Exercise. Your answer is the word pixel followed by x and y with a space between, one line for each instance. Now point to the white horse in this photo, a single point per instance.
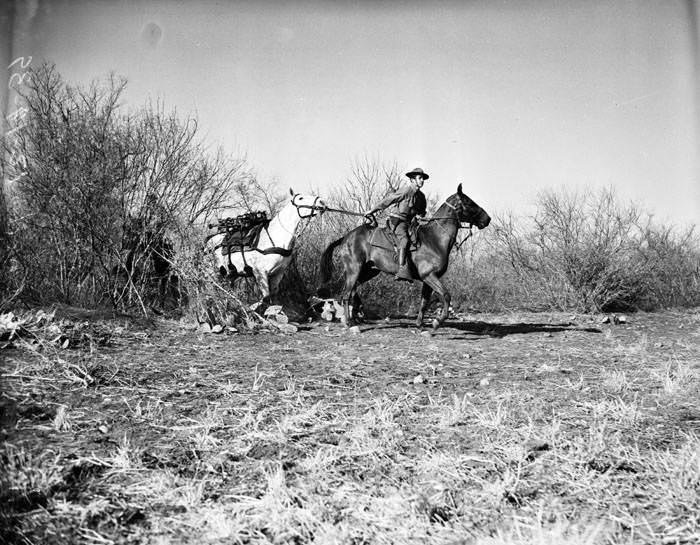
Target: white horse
pixel 273 252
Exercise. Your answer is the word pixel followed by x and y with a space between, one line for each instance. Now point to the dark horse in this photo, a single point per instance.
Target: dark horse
pixel 363 260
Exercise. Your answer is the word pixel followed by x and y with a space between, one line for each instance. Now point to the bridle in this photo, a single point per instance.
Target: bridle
pixel 313 207
pixel 456 218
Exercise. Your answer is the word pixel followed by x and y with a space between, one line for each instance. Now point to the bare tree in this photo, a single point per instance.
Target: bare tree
pixel 104 190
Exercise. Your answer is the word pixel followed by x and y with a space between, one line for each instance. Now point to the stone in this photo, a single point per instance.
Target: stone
pixel 418 379
pixel 204 327
pixel 217 328
pixel 287 328
pixel 273 310
pixel 354 330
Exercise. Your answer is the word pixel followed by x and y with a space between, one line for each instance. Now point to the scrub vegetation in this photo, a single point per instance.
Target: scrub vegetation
pixel 538 414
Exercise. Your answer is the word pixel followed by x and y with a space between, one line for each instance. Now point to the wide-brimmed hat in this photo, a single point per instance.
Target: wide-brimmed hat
pixel 416 172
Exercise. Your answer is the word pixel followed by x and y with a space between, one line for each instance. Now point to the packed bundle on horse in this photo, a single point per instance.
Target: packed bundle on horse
pixel 241 232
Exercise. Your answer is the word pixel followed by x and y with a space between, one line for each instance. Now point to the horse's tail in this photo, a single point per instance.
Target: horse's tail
pixel 327 261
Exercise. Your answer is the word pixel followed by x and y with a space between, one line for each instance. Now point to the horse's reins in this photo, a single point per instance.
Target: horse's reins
pixel 457 218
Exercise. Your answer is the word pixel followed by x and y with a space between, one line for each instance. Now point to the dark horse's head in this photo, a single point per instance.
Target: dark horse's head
pixel 468 210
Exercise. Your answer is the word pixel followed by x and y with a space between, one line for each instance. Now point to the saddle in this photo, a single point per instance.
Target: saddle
pixel 384 237
pixel 242 232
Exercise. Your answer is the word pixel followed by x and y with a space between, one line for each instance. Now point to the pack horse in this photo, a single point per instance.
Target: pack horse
pixel 253 245
pixel 368 250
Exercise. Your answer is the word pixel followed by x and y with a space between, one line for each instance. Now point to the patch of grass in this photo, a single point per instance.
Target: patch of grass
pixel 614 381
pixel 678 378
pixel 329 440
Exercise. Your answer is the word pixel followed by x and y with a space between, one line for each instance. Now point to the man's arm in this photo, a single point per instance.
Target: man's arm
pixel 390 199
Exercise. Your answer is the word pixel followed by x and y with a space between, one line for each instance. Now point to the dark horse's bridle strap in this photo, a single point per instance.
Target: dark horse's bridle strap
pixel 453 217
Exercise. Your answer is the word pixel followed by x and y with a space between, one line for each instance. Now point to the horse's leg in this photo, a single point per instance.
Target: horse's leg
pixel 366 273
pixel 425 294
pixel 356 307
pixel 263 283
pixel 352 273
pixel 231 270
pixel 434 282
pixel 275 281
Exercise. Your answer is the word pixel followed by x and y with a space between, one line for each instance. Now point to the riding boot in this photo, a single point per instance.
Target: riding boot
pixel 403 273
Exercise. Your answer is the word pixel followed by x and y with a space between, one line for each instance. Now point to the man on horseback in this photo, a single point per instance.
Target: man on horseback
pixel 408 203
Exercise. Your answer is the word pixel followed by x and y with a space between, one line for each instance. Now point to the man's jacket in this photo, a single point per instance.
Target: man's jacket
pixel 407 203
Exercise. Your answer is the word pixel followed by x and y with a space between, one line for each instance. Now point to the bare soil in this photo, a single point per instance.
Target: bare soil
pixel 500 428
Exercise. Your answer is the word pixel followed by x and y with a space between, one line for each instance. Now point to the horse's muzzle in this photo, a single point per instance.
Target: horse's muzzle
pixel 484 221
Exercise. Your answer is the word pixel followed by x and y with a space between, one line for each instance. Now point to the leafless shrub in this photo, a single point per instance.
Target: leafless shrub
pixel 198 290
pixel 672 256
pixel 107 196
pixel 587 251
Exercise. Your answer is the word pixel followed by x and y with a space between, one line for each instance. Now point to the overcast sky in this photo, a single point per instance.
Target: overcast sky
pixel 507 97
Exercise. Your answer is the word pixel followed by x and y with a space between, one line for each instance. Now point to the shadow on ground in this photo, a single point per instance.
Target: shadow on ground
pixel 489 329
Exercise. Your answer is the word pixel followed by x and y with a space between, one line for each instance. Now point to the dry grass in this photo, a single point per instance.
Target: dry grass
pixel 324 437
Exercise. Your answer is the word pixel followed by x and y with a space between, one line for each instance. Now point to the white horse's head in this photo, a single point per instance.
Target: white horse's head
pixel 307 205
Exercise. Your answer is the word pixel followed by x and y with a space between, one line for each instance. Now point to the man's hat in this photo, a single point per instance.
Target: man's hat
pixel 416 172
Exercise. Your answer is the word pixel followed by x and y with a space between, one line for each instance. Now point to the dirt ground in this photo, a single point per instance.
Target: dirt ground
pixel 501 428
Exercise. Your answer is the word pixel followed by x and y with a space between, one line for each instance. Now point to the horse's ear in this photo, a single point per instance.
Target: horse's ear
pixel 291 191
pixel 459 189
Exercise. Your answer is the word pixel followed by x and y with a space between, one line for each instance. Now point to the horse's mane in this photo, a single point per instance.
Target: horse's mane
pixel 440 213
